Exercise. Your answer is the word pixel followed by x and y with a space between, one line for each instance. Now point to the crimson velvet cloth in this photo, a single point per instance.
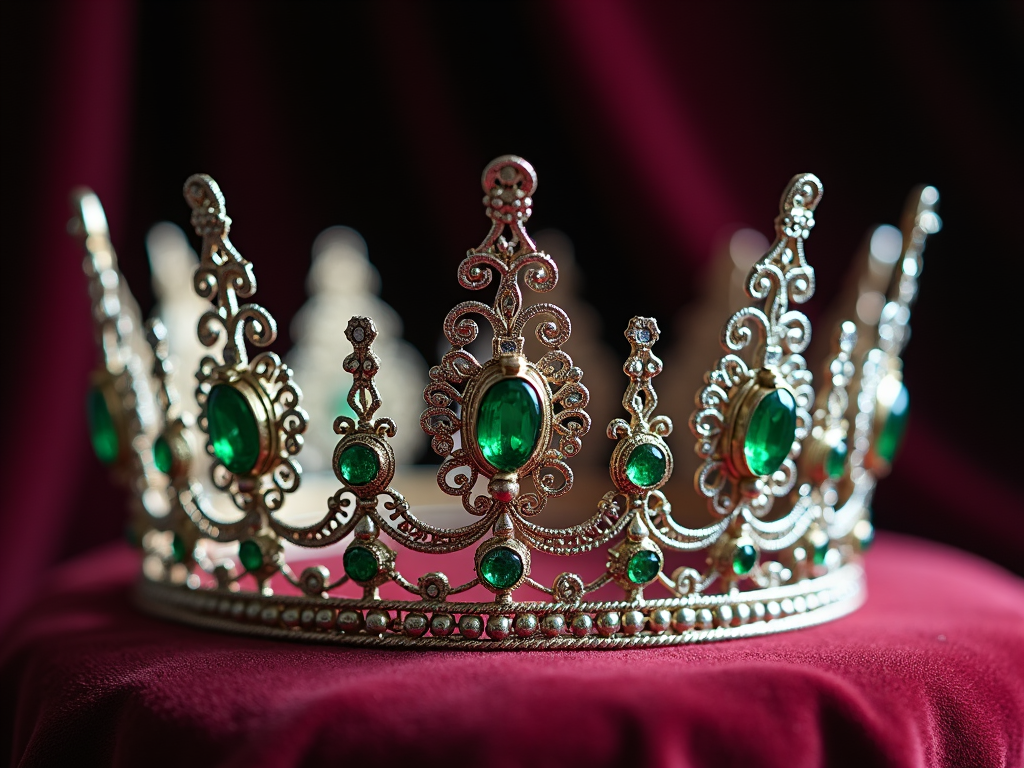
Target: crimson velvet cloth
pixel 657 129
pixel 930 672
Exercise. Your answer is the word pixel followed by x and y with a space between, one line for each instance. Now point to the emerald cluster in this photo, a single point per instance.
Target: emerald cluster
pixel 508 424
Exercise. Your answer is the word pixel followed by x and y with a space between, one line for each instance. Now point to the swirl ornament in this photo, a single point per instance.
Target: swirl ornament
pixel 509 410
pixel 752 414
pixel 510 424
pixel 882 402
pixel 121 409
pixel 250 409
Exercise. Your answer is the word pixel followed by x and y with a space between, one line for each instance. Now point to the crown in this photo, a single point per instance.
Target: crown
pixel 788 476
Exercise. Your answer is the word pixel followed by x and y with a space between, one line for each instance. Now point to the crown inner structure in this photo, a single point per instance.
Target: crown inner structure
pixel 788 477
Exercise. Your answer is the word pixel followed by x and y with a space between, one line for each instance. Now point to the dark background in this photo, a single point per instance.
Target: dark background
pixel 654 128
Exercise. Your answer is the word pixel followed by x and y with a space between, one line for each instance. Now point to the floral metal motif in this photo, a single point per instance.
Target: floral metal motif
pixel 634 518
pixel 780 277
pixel 224 276
pixel 508 183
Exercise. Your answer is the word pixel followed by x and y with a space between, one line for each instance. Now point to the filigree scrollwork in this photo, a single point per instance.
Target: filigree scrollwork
pixel 458 384
pixel 119 382
pixel 264 384
pixel 775 335
pixel 881 367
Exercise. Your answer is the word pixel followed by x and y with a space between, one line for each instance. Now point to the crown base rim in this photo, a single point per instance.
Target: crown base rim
pixel 837 595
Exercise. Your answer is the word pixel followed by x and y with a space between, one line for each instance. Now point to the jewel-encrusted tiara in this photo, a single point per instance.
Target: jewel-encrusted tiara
pixel 788 476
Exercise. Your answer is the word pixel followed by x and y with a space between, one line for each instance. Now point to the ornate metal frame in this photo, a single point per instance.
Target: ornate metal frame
pixel 633 520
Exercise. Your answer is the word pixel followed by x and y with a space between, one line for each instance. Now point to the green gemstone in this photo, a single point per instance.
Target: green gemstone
pixel 891 436
pixel 102 431
pixel 234 433
pixel 835 461
pixel 643 566
pixel 360 563
pixel 743 559
pixel 501 567
pixel 770 432
pixel 646 465
pixel 358 464
pixel 163 456
pixel 178 548
pixel 820 550
pixel 251 555
pixel 508 424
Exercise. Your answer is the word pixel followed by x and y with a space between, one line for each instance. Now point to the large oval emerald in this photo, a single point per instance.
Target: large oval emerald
pixel 508 424
pixel 234 432
pixel 889 439
pixel 102 430
pixel 770 432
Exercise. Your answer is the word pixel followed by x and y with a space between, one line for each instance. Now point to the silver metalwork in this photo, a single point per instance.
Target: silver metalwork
pixel 743 543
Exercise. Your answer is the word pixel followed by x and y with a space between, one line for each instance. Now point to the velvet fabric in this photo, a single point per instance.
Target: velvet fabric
pixel 655 128
pixel 930 672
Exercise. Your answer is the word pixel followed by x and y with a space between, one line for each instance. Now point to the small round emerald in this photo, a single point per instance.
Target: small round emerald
pixel 178 548
pixel 643 567
pixel 646 465
pixel 501 567
pixel 770 432
pixel 163 456
pixel 250 554
pixel 835 460
pixel 358 464
pixel 508 424
pixel 234 432
pixel 102 430
pixel 360 563
pixel 743 559
pixel 888 443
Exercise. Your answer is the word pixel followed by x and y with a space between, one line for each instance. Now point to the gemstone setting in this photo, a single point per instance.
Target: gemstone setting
pixel 508 424
pixel 646 465
pixel 234 431
pixel 744 558
pixel 360 563
pixel 358 464
pixel 163 456
pixel 501 567
pixel 643 567
pixel 102 430
pixel 770 432
pixel 890 437
pixel 250 555
pixel 835 460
